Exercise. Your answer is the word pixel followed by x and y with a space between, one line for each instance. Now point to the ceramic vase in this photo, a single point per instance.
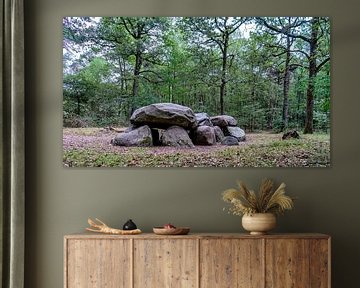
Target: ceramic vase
pixel 259 223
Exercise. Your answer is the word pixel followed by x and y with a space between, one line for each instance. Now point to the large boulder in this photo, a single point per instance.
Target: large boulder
pixel 203 119
pixel 130 128
pixel 177 137
pixel 291 134
pixel 223 121
pixel 137 137
pixel 219 134
pixel 236 132
pixel 204 135
pixel 230 141
pixel 164 115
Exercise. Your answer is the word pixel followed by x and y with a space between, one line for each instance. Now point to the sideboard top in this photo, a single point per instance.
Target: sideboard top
pixel 87 235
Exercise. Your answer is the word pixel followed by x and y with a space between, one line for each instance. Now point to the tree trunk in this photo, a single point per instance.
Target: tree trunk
pixel 223 72
pixel 253 100
pixel 272 107
pixel 312 75
pixel 122 75
pixel 285 114
pixel 172 84
pixel 122 85
pixel 78 105
pixel 137 68
pixel 309 129
pixel 299 96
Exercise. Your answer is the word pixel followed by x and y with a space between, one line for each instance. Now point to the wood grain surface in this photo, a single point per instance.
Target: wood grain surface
pixel 165 263
pixel 230 263
pixel 287 263
pixel 320 263
pixel 98 263
pixel 197 261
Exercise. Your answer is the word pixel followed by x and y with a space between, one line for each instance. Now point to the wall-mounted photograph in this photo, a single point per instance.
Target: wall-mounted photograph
pixel 196 92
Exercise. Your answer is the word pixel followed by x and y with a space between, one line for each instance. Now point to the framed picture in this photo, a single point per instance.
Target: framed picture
pixel 196 91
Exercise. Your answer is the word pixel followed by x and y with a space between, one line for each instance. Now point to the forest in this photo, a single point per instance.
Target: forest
pixel 271 74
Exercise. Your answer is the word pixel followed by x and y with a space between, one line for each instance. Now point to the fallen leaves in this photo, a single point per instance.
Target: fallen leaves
pixel 92 149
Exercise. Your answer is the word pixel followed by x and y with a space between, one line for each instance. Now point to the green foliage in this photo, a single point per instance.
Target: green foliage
pixel 90 96
pixel 113 65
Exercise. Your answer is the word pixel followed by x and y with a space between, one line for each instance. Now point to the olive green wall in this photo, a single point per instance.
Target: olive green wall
pixel 59 200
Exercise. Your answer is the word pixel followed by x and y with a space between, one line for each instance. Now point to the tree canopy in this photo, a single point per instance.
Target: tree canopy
pixel 270 73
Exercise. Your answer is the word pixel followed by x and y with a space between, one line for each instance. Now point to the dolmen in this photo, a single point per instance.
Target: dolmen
pixel 169 124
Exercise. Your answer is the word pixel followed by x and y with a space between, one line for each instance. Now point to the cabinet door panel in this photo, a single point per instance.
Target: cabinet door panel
pixel 98 263
pixel 166 263
pixel 287 263
pixel 319 263
pixel 231 263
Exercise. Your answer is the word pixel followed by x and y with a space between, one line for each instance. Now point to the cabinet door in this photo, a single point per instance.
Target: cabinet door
pixel 320 263
pixel 287 263
pixel 231 263
pixel 165 263
pixel 98 263
pixel 297 263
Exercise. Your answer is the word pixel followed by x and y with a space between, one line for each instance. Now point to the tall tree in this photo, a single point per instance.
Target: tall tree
pixel 134 36
pixel 218 30
pixel 283 48
pixel 312 33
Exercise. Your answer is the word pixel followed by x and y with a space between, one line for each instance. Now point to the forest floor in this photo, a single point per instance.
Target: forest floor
pixel 90 147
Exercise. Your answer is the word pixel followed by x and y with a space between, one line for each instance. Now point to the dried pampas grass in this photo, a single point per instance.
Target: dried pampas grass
pixel 245 201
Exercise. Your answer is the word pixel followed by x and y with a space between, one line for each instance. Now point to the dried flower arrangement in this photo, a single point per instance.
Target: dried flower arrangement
pixel 247 202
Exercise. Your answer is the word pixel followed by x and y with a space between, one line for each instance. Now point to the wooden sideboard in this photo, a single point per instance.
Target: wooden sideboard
pixel 197 261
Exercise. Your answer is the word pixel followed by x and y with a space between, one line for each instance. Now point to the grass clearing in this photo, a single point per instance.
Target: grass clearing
pixel 90 147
